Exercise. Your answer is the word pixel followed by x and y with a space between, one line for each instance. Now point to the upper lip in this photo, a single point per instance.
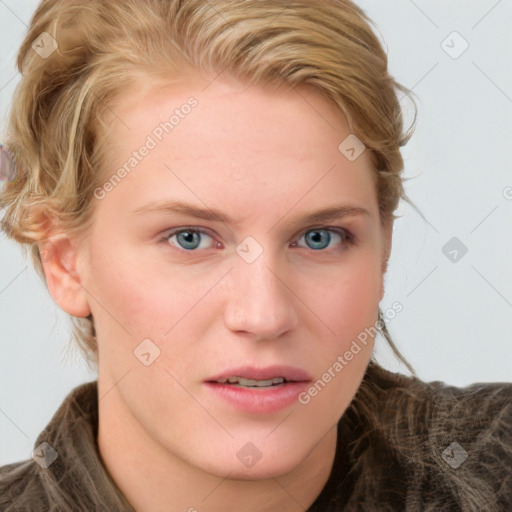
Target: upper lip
pixel 289 373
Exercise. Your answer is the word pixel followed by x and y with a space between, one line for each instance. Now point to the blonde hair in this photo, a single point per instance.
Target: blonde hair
pixel 63 99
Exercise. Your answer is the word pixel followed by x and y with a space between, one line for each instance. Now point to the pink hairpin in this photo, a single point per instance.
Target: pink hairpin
pixel 8 170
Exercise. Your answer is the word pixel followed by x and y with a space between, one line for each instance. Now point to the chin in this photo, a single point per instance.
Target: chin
pixel 249 463
pixel 260 471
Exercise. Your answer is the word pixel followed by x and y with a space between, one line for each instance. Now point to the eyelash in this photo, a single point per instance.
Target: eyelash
pixel 348 238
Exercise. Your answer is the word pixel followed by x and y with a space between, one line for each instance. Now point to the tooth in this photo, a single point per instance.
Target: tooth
pixel 247 382
pixel 251 382
pixel 263 383
pixel 255 383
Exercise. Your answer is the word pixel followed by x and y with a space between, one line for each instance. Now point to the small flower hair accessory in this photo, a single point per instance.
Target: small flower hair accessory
pixel 8 168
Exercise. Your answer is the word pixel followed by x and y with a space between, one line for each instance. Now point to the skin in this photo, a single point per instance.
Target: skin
pixel 265 157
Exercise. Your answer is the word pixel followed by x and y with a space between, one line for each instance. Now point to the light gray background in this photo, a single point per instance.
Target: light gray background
pixel 456 320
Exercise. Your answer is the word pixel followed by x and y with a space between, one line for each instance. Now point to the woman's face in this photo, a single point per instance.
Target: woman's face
pixel 205 261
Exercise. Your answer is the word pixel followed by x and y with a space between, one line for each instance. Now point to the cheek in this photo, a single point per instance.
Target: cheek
pixel 136 301
pixel 142 307
pixel 350 300
pixel 127 298
pixel 341 358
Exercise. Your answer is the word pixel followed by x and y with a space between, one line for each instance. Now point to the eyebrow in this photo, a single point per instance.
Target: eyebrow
pixel 178 207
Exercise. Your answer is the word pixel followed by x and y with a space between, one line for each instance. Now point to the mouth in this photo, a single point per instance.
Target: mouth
pixel 251 383
pixel 259 390
pixel 268 377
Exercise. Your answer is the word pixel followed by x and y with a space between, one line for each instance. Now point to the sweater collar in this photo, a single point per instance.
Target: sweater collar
pixel 75 472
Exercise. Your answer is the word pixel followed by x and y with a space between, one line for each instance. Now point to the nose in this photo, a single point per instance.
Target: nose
pixel 259 301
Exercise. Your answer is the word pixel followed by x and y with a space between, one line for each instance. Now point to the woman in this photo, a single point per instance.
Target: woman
pixel 208 189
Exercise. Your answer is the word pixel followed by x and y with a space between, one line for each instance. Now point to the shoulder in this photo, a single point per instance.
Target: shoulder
pixel 27 485
pixel 66 473
pixel 444 444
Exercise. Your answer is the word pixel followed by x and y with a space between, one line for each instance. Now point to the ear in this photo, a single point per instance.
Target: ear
pixel 387 231
pixel 59 259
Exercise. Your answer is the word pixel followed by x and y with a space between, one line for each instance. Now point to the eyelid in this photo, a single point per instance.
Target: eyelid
pixel 337 229
pixel 172 231
pixel 324 228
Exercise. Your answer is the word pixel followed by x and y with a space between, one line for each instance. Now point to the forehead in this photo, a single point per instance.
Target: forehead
pixel 235 137
pixel 262 114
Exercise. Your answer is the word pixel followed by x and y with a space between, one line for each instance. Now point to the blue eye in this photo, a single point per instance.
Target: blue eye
pixel 189 239
pixel 320 238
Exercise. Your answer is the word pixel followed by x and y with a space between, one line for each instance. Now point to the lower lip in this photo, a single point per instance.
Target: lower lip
pixel 259 400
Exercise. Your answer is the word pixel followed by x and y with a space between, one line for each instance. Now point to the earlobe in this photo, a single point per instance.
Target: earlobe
pixel 59 261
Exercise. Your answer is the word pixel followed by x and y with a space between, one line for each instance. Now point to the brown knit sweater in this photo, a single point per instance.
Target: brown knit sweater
pixel 403 444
